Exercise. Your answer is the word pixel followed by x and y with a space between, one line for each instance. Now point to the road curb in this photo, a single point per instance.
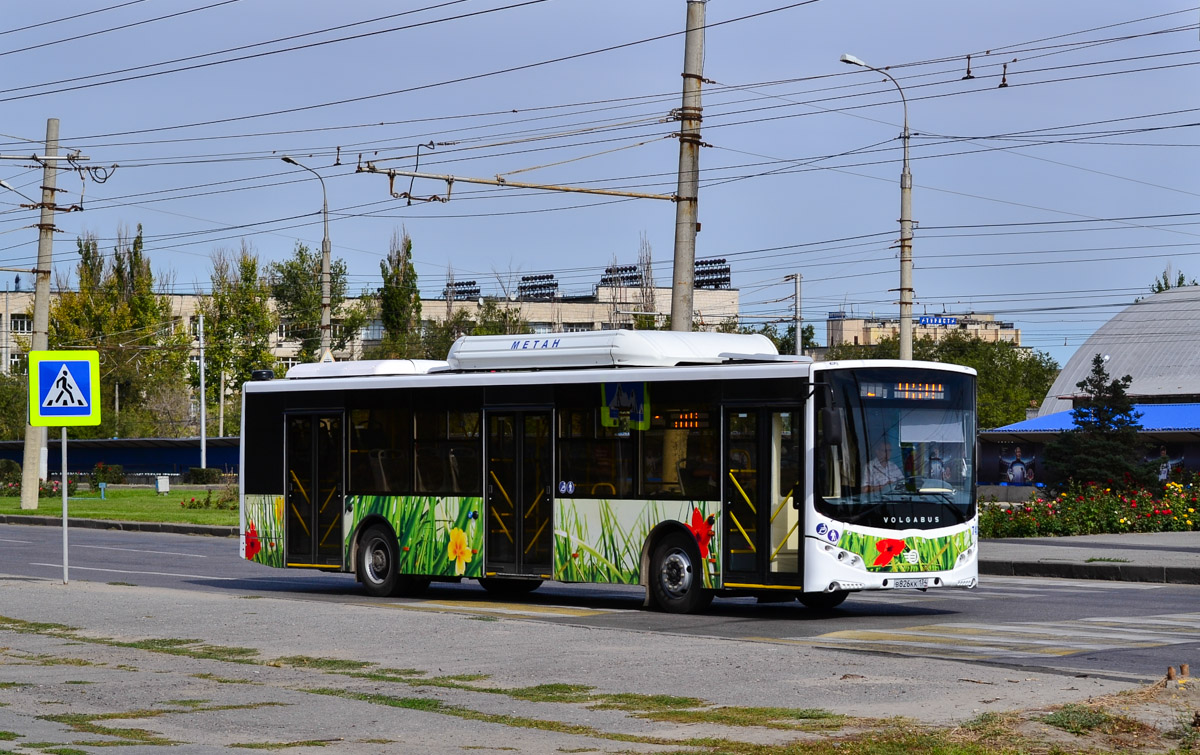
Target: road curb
pixel 1178 575
pixel 110 524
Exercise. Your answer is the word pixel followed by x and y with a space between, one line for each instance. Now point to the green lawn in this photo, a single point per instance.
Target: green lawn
pixel 135 505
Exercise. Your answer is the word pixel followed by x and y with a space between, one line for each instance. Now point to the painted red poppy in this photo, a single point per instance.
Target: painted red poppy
pixel 888 549
pixel 702 530
pixel 253 545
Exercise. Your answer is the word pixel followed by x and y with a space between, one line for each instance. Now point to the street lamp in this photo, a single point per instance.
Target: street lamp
pixel 906 261
pixel 325 326
pixel 7 185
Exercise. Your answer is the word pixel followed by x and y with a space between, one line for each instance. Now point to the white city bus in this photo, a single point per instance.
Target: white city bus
pixel 695 464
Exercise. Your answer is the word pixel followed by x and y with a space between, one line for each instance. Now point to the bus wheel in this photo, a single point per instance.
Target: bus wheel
pixel 823 601
pixel 509 588
pixel 379 562
pixel 675 582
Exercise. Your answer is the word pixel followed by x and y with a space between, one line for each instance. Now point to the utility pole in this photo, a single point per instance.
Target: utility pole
pixel 798 319
pixel 34 462
pixel 688 182
pixel 203 401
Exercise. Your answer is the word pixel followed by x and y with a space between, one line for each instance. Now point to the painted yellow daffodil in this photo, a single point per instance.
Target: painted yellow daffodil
pixel 459 552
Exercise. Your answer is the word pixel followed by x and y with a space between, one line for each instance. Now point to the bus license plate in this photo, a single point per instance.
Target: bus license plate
pixel 919 583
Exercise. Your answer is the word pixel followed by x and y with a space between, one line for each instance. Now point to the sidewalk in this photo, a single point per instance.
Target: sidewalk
pixel 1148 557
pixel 1152 557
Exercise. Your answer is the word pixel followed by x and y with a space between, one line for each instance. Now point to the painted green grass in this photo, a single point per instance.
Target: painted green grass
pixel 128 505
pixel 422 525
pixel 591 544
pixel 934 554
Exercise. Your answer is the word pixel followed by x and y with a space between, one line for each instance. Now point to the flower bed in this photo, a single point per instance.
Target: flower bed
pixel 1093 509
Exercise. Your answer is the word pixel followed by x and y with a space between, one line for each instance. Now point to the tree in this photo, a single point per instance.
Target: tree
pixel 785 343
pixel 438 337
pixel 238 323
pixel 1010 378
pixel 399 302
pixel 1103 445
pixel 494 319
pixel 296 288
pixel 1168 282
pixel 142 344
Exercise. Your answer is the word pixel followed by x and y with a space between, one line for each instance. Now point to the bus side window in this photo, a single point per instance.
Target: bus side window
pixel 379 451
pixel 679 457
pixel 598 460
pixel 447 452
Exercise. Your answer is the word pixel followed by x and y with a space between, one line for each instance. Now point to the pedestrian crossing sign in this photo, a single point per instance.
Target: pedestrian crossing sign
pixel 64 388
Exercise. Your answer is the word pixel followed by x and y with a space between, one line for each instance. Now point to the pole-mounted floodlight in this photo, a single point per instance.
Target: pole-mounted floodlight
pixel 906 260
pixel 7 185
pixel 325 254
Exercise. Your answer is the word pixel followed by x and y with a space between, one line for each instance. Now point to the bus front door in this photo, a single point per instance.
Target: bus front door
pixel 764 497
pixel 520 530
pixel 314 453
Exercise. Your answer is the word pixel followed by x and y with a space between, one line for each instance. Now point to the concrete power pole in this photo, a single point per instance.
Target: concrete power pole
pixel 798 319
pixel 34 462
pixel 686 225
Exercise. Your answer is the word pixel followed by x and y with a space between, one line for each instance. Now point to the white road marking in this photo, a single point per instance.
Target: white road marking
pixel 22 542
pixel 129 571
pixel 139 550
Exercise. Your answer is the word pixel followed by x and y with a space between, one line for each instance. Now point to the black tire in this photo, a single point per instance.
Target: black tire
pixel 508 587
pixel 823 601
pixel 379 565
pixel 676 584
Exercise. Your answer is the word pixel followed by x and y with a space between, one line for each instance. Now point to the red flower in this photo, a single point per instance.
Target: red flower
pixel 888 549
pixel 702 530
pixel 253 545
pixel 1133 505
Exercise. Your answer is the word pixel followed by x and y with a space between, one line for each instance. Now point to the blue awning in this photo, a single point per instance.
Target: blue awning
pixel 1156 418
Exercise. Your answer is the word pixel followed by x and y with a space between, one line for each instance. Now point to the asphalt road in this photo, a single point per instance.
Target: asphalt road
pixel 1114 630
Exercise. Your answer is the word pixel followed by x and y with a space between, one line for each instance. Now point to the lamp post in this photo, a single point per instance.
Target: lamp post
pixel 906 261
pixel 325 326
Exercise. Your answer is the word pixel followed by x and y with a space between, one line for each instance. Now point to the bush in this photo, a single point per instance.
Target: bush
pixel 112 474
pixel 10 471
pixel 204 476
pixel 46 488
pixel 1095 510
pixel 226 500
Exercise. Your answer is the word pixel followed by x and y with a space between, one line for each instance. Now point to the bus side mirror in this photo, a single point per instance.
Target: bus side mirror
pixel 831 426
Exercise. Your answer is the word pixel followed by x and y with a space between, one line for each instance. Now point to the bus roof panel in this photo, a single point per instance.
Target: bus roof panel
pixel 366 367
pixel 606 348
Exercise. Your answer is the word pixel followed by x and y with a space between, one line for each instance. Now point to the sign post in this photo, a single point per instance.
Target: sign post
pixel 64 390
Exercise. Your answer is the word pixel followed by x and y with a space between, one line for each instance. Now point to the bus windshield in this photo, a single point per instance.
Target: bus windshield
pixel 902 454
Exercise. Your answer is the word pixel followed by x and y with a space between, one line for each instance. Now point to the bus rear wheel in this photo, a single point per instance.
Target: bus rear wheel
pixel 508 587
pixel 676 583
pixel 379 566
pixel 823 601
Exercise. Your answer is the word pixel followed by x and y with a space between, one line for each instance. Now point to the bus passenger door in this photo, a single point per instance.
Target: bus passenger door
pixel 315 490
pixel 764 498
pixel 520 528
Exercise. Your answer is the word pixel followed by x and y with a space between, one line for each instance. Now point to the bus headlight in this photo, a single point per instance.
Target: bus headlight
pixel 845 557
pixel 965 557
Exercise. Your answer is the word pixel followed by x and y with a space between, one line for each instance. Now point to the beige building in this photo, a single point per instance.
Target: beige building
pixel 609 307
pixel 868 331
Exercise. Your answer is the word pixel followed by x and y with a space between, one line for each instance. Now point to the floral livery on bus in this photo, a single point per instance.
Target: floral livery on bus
pixel 695 464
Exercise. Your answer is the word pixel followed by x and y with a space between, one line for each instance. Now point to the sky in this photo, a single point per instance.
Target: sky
pixel 1051 202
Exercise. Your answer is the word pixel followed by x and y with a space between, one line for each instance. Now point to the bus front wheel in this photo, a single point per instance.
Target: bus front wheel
pixel 823 601
pixel 676 580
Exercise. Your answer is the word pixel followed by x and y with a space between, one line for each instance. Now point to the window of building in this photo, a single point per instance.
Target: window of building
pixel 21 323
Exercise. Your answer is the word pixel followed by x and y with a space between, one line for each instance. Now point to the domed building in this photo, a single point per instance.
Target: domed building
pixel 1156 341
